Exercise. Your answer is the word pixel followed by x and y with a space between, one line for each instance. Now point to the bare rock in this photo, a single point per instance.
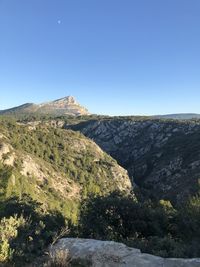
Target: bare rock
pixel 112 254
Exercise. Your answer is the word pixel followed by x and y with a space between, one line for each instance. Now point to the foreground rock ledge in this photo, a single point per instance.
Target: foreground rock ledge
pixel 112 254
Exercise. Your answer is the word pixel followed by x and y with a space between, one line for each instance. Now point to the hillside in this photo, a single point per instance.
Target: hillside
pixel 55 167
pixel 161 156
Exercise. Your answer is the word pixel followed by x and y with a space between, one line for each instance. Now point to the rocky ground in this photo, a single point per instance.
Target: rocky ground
pixel 112 254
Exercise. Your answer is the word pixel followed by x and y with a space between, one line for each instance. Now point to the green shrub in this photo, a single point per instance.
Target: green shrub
pixel 27 234
pixel 155 228
pixel 8 232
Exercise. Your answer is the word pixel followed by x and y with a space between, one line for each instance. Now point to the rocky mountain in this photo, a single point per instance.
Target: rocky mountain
pixel 64 106
pixel 55 167
pixel 69 106
pixel 161 156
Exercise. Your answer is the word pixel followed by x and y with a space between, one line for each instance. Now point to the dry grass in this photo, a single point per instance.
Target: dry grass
pixel 59 259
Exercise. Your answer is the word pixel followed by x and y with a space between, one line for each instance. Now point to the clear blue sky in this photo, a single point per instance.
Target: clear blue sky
pixel 114 56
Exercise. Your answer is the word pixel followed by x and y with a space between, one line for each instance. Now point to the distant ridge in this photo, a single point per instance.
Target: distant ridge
pixel 69 106
pixel 63 106
pixel 178 116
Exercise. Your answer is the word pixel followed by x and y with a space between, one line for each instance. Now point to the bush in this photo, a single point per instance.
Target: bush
pixel 8 232
pixel 63 259
pixel 120 217
pixel 25 236
pixel 155 228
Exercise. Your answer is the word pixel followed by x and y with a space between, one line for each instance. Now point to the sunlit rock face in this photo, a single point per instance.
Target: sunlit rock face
pixel 67 106
pixel 63 106
pixel 111 254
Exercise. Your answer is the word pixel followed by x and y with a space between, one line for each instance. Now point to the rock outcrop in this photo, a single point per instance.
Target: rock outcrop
pixel 64 106
pixel 112 254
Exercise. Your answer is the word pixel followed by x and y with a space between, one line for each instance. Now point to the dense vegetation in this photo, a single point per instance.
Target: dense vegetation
pixel 56 146
pixel 57 152
pixel 26 229
pixel 154 227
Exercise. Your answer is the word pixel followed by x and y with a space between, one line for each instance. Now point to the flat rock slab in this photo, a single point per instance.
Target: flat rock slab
pixel 113 254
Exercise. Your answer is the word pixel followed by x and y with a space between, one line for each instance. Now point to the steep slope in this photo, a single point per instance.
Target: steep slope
pixel 64 106
pixel 163 157
pixel 55 167
pixel 23 174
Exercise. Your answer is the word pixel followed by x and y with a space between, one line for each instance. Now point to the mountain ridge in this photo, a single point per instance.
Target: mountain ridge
pixel 69 106
pixel 178 116
pixel 62 106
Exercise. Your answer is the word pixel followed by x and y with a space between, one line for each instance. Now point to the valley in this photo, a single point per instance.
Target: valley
pixel 162 156
pixel 131 179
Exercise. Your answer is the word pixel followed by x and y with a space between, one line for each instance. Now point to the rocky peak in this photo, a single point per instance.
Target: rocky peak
pixel 66 105
pixel 69 100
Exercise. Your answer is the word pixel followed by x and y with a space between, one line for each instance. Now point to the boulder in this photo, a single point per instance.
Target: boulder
pixel 112 254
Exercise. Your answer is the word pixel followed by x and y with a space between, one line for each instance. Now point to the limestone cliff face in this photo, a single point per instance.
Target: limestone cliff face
pixel 64 106
pixel 162 157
